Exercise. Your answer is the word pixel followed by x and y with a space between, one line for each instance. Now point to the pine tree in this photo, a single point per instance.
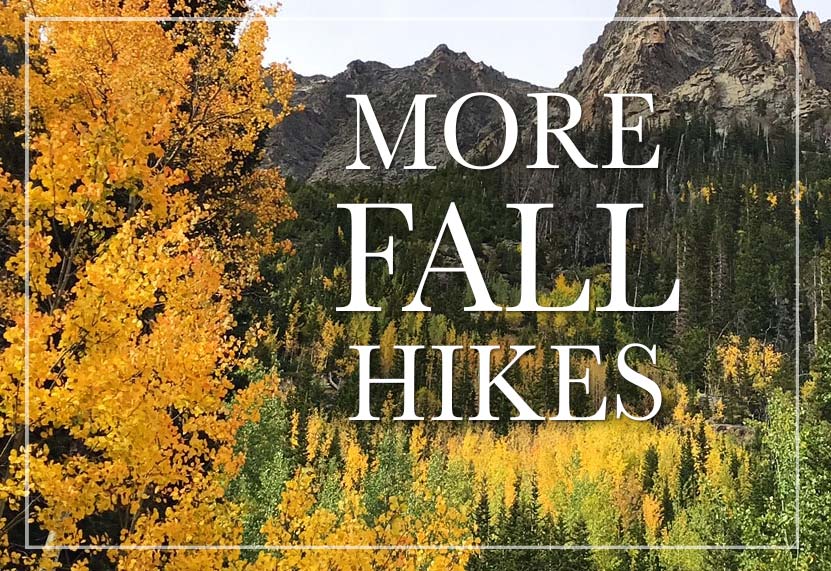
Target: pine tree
pixel 687 478
pixel 667 507
pixel 703 444
pixel 649 468
pixel 482 561
pixel 577 534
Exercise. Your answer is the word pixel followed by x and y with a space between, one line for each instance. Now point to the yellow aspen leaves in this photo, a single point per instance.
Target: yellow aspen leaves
pixel 146 221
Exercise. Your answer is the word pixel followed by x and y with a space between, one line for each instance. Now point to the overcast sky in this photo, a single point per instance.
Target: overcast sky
pixel 540 52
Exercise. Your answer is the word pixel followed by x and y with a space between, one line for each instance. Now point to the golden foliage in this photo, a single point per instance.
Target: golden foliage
pixel 144 226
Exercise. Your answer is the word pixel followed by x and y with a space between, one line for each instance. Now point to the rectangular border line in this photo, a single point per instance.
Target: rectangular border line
pixel 242 20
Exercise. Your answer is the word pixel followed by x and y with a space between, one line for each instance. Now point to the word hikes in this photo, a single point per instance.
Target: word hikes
pixel 488 382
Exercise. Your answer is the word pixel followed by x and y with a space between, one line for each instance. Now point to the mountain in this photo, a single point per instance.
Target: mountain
pixel 742 71
pixel 319 142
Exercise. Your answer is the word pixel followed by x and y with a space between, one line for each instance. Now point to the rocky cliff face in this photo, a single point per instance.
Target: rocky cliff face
pixel 730 71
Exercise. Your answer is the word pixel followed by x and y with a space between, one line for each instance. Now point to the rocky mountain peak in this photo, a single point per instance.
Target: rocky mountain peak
pixel 443 52
pixel 786 8
pixel 443 60
pixel 360 66
pixel 811 21
pixel 635 8
pixel 319 142
pixel 729 71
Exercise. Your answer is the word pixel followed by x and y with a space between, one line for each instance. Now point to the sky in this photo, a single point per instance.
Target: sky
pixel 540 52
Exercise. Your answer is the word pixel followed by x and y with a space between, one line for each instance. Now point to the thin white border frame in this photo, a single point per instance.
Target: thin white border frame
pixel 246 19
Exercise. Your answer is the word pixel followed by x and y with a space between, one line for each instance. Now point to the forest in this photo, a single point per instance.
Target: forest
pixel 174 371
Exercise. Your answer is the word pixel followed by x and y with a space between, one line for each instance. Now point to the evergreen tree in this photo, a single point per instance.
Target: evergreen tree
pixel 649 468
pixel 687 478
pixel 483 560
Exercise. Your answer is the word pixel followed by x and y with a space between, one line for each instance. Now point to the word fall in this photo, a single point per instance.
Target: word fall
pixel 528 295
